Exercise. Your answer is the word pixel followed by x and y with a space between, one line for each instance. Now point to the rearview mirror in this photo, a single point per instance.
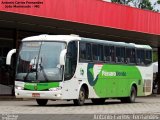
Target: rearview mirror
pixel 9 56
pixel 62 57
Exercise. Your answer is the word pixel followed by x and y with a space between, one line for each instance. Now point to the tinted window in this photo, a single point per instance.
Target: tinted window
pixel 109 53
pixel 120 54
pixel 148 56
pixel 88 51
pixel 133 55
pixel 112 53
pixel 71 60
pixel 82 48
pixel 100 52
pixel 140 56
pixel 130 55
pixel 95 52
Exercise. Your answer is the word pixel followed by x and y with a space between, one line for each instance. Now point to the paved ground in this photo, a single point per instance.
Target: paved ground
pixel 143 105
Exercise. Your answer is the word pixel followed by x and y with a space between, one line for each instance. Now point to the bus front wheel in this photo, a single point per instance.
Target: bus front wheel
pixel 132 97
pixel 41 102
pixel 81 99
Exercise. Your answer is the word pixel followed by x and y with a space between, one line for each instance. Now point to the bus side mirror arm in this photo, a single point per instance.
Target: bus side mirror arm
pixel 62 57
pixel 9 56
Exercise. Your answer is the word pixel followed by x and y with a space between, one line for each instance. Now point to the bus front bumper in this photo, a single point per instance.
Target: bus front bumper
pixel 38 94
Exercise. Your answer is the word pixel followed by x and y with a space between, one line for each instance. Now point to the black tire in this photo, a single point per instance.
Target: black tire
pixel 82 96
pixel 98 101
pixel 41 102
pixel 131 98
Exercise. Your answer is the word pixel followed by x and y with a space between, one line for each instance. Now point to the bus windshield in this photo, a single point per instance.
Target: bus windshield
pixel 39 61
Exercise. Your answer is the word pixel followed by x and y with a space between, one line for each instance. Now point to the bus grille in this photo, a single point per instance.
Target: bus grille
pixel 147 86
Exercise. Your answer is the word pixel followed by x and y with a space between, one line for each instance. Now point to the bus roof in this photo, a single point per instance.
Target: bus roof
pixel 68 38
pixel 62 38
pixel 106 42
pixel 132 45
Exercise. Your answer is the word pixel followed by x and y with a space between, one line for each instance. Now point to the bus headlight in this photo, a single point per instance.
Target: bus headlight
pixel 19 87
pixel 55 89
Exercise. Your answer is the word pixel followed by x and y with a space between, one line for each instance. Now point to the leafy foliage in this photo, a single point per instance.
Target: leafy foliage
pixel 143 4
pixel 146 4
pixel 121 1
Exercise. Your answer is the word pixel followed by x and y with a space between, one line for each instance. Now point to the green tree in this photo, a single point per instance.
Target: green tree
pixel 146 4
pixel 143 4
pixel 158 1
pixel 121 1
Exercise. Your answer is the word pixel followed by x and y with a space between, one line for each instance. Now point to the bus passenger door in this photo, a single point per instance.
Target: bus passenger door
pixel 70 82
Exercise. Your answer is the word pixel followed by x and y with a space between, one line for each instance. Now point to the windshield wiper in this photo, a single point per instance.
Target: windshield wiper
pixel 29 71
pixel 42 69
pixel 33 69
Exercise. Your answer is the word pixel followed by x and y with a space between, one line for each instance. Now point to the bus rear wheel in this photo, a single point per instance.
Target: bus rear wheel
pixel 82 95
pixel 132 97
pixel 41 102
pixel 98 101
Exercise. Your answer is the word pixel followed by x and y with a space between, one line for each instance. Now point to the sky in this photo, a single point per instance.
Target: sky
pixel 156 6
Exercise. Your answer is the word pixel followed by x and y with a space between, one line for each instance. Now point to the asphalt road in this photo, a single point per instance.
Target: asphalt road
pixel 66 109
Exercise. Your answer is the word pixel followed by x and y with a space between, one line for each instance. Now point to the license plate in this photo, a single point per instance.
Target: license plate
pixel 35 95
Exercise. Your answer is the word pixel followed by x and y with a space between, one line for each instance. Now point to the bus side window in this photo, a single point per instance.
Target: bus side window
pixel 88 52
pixel 71 60
pixel 132 58
pixel 82 50
pixel 128 54
pixel 148 57
pixel 120 53
pixel 95 52
pixel 100 53
pixel 140 56
pixel 107 54
pixel 112 53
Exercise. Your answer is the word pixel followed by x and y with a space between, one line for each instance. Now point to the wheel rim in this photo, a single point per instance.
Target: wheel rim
pixel 133 95
pixel 81 96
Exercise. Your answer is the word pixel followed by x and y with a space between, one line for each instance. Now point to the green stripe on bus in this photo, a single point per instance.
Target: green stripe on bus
pixel 115 80
pixel 41 86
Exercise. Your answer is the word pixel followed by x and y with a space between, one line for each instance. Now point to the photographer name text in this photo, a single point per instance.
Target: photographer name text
pixel 22 4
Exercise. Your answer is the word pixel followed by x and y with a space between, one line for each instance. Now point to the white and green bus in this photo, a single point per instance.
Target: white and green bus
pixel 69 67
